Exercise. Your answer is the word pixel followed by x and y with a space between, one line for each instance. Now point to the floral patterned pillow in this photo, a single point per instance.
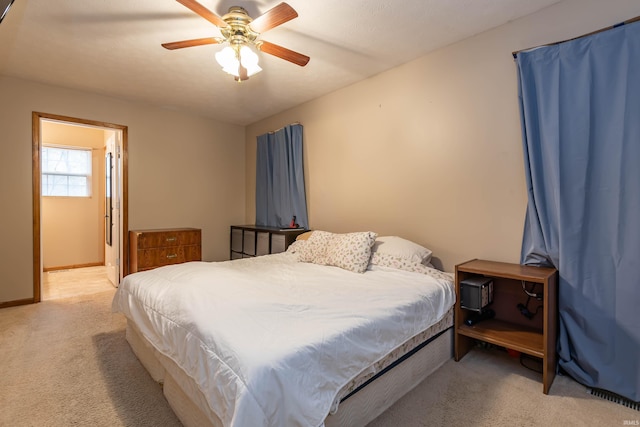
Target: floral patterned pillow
pixel 351 251
pixel 296 247
pixel 315 249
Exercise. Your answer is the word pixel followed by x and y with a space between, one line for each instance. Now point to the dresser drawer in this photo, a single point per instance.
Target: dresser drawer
pixel 164 239
pixel 156 257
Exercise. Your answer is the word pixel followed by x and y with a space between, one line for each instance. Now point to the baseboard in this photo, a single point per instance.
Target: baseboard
pixel 15 303
pixel 69 267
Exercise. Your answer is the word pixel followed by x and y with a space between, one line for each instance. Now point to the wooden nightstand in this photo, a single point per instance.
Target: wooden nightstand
pixel 509 328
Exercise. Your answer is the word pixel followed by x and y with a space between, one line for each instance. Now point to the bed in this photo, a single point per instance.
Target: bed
pixel 331 332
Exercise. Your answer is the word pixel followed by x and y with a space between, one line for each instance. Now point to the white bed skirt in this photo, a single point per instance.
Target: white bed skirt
pixel 190 406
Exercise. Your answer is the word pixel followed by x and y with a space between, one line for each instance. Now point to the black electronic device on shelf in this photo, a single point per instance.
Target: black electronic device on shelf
pixel 476 293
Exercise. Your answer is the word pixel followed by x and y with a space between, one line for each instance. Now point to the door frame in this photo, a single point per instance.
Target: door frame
pixel 36 151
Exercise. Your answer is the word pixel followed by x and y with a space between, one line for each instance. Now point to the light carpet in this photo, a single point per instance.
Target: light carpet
pixel 65 362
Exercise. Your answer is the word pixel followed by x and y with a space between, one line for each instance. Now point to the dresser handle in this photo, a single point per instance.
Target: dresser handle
pixel 171 239
pixel 172 256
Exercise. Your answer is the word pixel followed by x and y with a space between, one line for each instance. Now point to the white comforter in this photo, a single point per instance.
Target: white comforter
pixel 270 341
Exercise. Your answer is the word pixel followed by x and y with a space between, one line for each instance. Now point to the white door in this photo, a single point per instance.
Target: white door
pixel 113 193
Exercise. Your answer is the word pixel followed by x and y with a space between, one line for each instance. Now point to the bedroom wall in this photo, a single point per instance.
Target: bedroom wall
pixel 431 150
pixel 73 227
pixel 184 170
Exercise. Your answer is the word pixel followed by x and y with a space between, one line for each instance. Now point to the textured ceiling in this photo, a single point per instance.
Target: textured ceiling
pixel 112 47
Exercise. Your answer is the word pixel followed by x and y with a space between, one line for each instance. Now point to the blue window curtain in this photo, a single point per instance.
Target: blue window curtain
pixel 580 113
pixel 280 193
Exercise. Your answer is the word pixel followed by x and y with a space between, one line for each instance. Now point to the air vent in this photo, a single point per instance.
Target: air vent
pixel 612 397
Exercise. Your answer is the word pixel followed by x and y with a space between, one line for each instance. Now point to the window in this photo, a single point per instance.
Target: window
pixel 66 171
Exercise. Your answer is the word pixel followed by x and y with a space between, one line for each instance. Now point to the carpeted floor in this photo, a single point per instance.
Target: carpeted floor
pixel 489 388
pixel 65 362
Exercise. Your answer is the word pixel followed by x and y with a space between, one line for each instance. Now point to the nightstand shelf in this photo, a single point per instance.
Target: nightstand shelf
pixel 509 328
pixel 529 341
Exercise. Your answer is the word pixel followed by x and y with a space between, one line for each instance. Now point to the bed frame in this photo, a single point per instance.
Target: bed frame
pixel 357 409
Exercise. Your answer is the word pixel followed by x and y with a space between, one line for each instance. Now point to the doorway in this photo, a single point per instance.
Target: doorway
pixel 112 175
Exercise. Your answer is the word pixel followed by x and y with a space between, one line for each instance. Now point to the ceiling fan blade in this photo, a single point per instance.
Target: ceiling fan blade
pixel 190 43
pixel 273 17
pixel 283 52
pixel 204 12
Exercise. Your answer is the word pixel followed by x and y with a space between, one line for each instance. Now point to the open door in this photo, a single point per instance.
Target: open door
pixel 113 194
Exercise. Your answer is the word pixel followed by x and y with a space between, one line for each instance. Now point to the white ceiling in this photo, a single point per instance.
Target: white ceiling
pixel 112 47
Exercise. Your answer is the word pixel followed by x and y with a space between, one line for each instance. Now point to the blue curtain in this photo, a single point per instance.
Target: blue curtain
pixel 580 112
pixel 280 191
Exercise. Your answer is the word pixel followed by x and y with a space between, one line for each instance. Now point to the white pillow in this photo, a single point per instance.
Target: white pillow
pixel 397 247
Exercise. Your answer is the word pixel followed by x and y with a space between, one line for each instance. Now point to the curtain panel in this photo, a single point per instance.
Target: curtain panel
pixel 580 113
pixel 280 193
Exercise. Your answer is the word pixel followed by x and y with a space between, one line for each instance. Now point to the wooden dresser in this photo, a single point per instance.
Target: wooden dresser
pixel 150 249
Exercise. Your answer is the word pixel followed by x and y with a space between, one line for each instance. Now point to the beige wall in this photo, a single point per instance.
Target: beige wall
pixel 73 227
pixel 184 171
pixel 431 150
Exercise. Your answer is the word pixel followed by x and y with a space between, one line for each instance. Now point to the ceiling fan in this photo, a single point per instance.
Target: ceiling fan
pixel 241 31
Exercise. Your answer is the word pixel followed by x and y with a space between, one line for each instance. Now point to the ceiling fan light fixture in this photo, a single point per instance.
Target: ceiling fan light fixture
pixel 249 60
pixel 230 59
pixel 241 32
pixel 227 58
